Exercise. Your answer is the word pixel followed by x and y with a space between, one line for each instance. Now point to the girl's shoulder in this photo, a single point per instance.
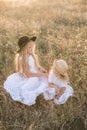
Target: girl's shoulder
pixel 20 58
pixel 51 76
pixel 51 73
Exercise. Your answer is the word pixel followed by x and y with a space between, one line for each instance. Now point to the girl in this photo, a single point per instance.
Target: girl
pixel 30 79
pixel 58 80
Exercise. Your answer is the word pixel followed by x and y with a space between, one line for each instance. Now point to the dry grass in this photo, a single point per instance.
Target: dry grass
pixel 43 116
pixel 61 28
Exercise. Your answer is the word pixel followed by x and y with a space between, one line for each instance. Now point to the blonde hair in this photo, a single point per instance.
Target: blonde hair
pixel 22 58
pixel 60 68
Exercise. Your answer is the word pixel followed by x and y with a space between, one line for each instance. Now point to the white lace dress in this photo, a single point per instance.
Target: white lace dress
pixel 50 93
pixel 24 89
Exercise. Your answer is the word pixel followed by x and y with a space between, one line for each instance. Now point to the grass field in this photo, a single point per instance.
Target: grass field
pixel 61 30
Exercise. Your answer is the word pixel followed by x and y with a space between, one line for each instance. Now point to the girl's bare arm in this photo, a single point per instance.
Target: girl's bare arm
pixel 39 66
pixel 29 74
pixel 42 69
pixel 54 86
pixel 61 92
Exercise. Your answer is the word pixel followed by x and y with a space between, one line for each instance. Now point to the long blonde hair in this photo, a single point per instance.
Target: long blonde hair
pixel 22 58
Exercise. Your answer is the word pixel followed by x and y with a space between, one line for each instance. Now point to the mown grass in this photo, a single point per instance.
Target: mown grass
pixel 61 30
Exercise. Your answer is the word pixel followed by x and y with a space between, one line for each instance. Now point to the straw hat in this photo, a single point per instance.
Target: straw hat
pixel 61 66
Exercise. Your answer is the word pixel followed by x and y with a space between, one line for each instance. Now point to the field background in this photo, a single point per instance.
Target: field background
pixel 61 30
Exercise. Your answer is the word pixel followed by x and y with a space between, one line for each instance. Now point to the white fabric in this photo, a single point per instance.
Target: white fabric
pixel 25 89
pixel 50 94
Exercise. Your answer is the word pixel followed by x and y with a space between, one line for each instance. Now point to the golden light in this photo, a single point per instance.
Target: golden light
pixel 19 2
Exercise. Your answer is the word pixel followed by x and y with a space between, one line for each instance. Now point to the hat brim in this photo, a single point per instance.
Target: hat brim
pixel 31 39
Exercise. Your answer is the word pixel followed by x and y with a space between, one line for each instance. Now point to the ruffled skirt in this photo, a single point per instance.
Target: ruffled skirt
pixel 25 90
pixel 50 94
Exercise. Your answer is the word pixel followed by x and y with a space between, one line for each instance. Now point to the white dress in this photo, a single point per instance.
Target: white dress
pixel 24 89
pixel 50 93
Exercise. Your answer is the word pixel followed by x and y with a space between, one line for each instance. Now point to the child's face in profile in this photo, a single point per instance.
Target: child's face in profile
pixel 30 47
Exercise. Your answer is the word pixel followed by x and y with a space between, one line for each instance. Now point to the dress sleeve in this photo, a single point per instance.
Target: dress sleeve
pixel 51 77
pixel 20 58
pixel 63 84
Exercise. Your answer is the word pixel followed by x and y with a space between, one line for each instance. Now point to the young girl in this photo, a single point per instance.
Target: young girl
pixel 58 80
pixel 30 79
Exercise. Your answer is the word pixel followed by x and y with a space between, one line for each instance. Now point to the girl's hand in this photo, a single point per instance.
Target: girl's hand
pixel 44 75
pixel 21 74
pixel 57 96
pixel 43 70
pixel 60 92
pixel 57 92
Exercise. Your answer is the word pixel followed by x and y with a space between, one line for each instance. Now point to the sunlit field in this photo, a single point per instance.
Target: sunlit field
pixel 61 30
